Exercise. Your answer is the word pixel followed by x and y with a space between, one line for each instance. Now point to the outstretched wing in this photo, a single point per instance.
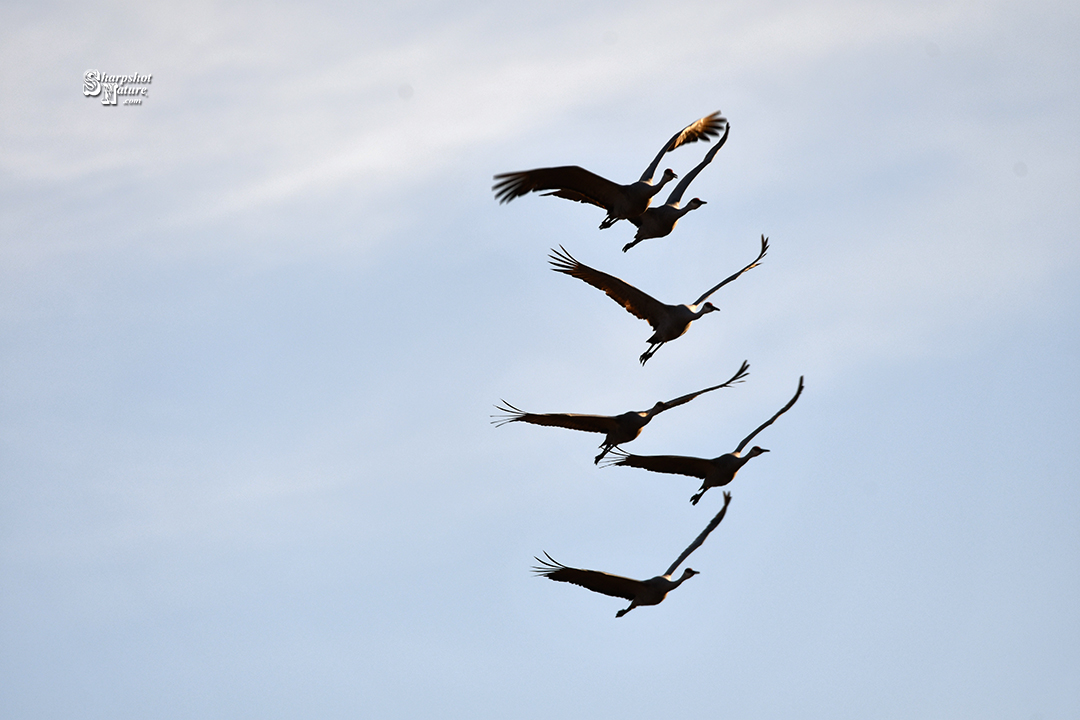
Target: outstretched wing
pixel 701 129
pixel 701 538
pixel 677 193
pixel 636 302
pixel 571 421
pixel 576 197
pixel 568 181
pixel 600 582
pixel 751 266
pixel 771 420
pixel 736 378
pixel 670 464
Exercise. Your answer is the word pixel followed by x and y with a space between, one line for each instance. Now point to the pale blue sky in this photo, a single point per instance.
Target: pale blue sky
pixel 252 331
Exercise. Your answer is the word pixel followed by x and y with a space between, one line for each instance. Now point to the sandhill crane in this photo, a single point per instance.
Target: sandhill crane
pixel 715 472
pixel 638 592
pixel 621 201
pixel 619 428
pixel 660 221
pixel 668 321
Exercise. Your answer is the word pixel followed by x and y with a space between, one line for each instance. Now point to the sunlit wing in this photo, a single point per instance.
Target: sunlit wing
pixel 677 193
pixel 701 129
pixel 636 302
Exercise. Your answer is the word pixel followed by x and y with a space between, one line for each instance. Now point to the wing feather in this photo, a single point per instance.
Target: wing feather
pixel 575 196
pixel 600 582
pixel 736 378
pixel 568 181
pixel 751 266
pixel 701 129
pixel 636 302
pixel 571 421
pixel 701 538
pixel 677 193
pixel 670 464
pixel 771 420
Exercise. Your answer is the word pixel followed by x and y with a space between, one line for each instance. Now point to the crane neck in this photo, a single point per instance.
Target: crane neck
pixel 657 187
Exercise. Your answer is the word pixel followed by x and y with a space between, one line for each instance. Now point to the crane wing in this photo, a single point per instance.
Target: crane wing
pixel 751 266
pixel 600 582
pixel 636 302
pixel 575 196
pixel 736 378
pixel 677 193
pixel 670 464
pixel 568 181
pixel 701 538
pixel 571 421
pixel 701 129
pixel 771 420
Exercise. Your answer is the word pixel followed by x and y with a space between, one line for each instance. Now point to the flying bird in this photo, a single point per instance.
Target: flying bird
pixel 715 472
pixel 621 201
pixel 638 592
pixel 618 428
pixel 668 321
pixel 658 222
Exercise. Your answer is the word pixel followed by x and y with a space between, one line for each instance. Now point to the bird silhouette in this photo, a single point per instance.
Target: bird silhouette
pixel 713 472
pixel 668 321
pixel 638 592
pixel 619 429
pixel 572 182
pixel 658 222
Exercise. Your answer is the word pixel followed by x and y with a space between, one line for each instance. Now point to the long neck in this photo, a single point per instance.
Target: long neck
pixel 652 412
pixel 733 462
pixel 656 188
pixel 697 310
pixel 676 583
